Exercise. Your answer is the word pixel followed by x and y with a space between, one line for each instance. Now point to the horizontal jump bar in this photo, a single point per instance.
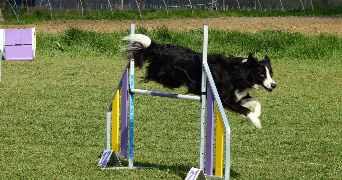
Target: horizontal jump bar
pixel 18 44
pixel 162 94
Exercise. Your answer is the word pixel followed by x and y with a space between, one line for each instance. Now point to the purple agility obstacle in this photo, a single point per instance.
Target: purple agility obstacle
pixel 124 114
pixel 210 132
pixel 208 97
pixel 20 44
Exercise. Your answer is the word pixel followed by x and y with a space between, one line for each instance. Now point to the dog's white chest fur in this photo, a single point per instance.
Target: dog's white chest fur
pixel 241 94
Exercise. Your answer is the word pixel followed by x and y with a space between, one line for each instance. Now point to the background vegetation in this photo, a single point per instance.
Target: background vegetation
pixel 275 43
pixel 38 16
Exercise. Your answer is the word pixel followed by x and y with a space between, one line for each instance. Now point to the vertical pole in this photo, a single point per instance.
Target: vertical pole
pixel 140 6
pixel 281 4
pixel 50 9
pixel 238 4
pixel 26 7
pixel 210 132
pixel 34 42
pixel 82 8
pixel 130 158
pixel 110 5
pixel 260 7
pixel 0 64
pixel 219 145
pixel 192 10
pixel 312 6
pixel 2 46
pixel 224 124
pixel 227 154
pixel 303 9
pixel 203 95
pixel 115 122
pixel 124 106
pixel 109 119
pixel 167 11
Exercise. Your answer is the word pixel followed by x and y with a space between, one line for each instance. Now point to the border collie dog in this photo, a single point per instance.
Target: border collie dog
pixel 174 66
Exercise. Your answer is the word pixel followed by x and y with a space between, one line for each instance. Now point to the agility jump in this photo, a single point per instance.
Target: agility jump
pixel 17 44
pixel 208 95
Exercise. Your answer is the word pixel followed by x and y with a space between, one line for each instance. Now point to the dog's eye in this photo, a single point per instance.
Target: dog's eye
pixel 262 75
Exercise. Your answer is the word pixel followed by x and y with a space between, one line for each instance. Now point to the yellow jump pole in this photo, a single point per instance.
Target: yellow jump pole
pixel 115 122
pixel 219 145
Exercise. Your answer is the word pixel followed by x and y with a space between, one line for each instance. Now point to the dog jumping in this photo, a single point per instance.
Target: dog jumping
pixel 174 66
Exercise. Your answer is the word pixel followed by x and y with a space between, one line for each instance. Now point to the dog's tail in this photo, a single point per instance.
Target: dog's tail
pixel 139 48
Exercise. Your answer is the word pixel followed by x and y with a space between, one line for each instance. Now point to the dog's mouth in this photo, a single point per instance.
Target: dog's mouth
pixel 267 89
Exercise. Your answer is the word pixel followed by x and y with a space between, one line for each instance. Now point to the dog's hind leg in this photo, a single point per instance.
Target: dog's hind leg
pixel 252 103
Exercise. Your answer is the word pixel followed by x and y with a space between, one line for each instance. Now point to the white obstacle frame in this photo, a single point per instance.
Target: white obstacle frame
pixel 219 104
pixel 206 77
pixel 2 46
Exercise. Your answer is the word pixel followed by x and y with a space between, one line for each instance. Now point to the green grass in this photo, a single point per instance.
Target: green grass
pixel 39 16
pixel 53 113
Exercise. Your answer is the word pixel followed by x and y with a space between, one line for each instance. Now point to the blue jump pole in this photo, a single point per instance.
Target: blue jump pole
pixel 162 94
pixel 131 106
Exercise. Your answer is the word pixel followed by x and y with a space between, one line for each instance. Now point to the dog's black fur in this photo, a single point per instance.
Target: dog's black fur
pixel 174 66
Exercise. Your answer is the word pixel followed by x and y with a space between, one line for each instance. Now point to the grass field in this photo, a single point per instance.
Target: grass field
pixel 53 113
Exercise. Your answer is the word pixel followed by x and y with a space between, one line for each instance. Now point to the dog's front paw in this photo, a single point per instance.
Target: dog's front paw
pixel 254 120
pixel 257 112
pixel 253 104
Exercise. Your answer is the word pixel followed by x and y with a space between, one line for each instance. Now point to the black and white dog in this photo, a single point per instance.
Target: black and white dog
pixel 174 66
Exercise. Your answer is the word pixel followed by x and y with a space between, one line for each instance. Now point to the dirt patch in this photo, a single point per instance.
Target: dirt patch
pixel 304 25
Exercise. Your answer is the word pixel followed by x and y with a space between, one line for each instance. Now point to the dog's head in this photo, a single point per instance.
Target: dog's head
pixel 262 72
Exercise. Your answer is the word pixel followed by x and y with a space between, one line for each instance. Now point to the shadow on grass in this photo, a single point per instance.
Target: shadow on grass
pixel 180 170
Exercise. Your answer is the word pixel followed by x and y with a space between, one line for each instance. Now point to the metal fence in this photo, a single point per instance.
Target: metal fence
pixel 94 5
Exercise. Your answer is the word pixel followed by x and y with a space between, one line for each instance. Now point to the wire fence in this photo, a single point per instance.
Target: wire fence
pixel 94 5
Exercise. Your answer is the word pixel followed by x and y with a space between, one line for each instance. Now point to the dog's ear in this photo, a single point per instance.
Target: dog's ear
pixel 250 55
pixel 267 59
pixel 251 61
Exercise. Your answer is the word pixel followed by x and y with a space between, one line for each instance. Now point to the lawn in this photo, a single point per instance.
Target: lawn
pixel 53 121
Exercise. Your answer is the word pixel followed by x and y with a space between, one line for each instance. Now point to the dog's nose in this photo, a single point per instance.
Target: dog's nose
pixel 273 85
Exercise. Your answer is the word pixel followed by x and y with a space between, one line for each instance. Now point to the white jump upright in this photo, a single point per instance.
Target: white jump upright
pixel 131 105
pixel 219 104
pixel 2 47
pixel 208 95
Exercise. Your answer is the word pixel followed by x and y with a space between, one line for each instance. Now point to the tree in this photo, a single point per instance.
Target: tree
pixel 1 16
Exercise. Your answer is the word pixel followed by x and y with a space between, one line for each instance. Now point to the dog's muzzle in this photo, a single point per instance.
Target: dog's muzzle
pixel 270 89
